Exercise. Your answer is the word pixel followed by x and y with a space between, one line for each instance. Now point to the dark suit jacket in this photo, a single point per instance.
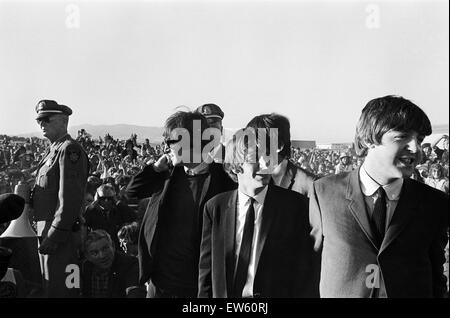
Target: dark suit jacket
pixel 149 183
pixel 287 265
pixel 411 255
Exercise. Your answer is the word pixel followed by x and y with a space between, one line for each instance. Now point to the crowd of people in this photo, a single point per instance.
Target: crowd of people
pixel 125 183
pixel 116 161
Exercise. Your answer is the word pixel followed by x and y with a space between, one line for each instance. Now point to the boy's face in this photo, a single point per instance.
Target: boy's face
pixel 397 154
pixel 435 173
pixel 254 176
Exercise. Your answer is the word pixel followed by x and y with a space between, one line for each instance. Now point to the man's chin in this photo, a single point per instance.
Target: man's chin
pixel 263 180
pixel 105 265
pixel 405 172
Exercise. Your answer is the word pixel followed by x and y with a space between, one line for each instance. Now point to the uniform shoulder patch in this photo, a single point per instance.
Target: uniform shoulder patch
pixel 74 153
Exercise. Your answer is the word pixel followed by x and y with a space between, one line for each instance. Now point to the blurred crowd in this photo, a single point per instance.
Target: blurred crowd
pixel 115 161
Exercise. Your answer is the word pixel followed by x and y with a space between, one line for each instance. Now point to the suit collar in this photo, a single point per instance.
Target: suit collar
pixel 267 215
pixel 260 197
pixel 199 169
pixel 279 178
pixel 407 207
pixel 370 186
pixel 357 206
pixel 230 210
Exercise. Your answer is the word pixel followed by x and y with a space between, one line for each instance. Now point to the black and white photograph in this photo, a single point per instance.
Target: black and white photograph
pixel 223 155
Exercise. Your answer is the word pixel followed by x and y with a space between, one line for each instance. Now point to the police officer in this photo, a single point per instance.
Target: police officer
pixel 58 198
pixel 214 116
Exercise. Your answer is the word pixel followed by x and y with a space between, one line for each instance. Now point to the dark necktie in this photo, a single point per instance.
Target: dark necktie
pixel 245 252
pixel 379 215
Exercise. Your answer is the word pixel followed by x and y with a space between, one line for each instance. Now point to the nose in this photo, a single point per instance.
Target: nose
pixel 264 166
pixel 42 123
pixel 414 145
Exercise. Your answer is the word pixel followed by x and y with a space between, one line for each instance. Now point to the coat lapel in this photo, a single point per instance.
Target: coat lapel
pixel 230 235
pixel 357 206
pixel 267 216
pixel 154 213
pixel 406 208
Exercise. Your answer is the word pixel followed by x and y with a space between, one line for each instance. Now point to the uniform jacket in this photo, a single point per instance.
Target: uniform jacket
pixel 150 183
pixel 411 256
pixel 287 265
pixel 58 194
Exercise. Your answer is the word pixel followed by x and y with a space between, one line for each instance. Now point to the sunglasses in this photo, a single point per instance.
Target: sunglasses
pixel 44 120
pixel 170 142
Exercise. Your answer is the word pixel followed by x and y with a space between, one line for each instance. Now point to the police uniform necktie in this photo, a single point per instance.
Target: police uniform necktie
pixel 245 252
pixel 379 216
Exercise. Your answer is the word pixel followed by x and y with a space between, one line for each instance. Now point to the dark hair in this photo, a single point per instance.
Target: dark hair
pixel 185 119
pixel 95 236
pixel 388 113
pixel 278 121
pixel 129 232
pixel 129 142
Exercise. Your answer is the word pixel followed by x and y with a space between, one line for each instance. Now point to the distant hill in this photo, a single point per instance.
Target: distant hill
pixel 119 131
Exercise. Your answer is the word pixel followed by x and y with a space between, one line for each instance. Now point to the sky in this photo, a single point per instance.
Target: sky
pixel 134 62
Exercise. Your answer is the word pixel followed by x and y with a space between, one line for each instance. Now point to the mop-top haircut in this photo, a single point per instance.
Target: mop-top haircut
pixel 383 114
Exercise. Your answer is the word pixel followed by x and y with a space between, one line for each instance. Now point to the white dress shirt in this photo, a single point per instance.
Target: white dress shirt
pixel 242 207
pixel 369 189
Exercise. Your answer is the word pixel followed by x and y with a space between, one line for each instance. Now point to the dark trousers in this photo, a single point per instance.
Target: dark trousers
pixel 53 269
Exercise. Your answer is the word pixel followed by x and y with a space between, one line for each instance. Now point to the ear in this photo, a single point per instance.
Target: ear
pixel 369 145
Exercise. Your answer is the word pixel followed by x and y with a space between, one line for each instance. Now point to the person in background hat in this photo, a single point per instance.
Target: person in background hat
pixel 108 213
pixel 345 163
pixel 214 116
pixel 58 197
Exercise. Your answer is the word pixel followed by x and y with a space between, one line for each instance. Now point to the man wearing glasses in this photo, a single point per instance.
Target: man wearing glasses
pixel 58 197
pixel 108 213
pixel 179 184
